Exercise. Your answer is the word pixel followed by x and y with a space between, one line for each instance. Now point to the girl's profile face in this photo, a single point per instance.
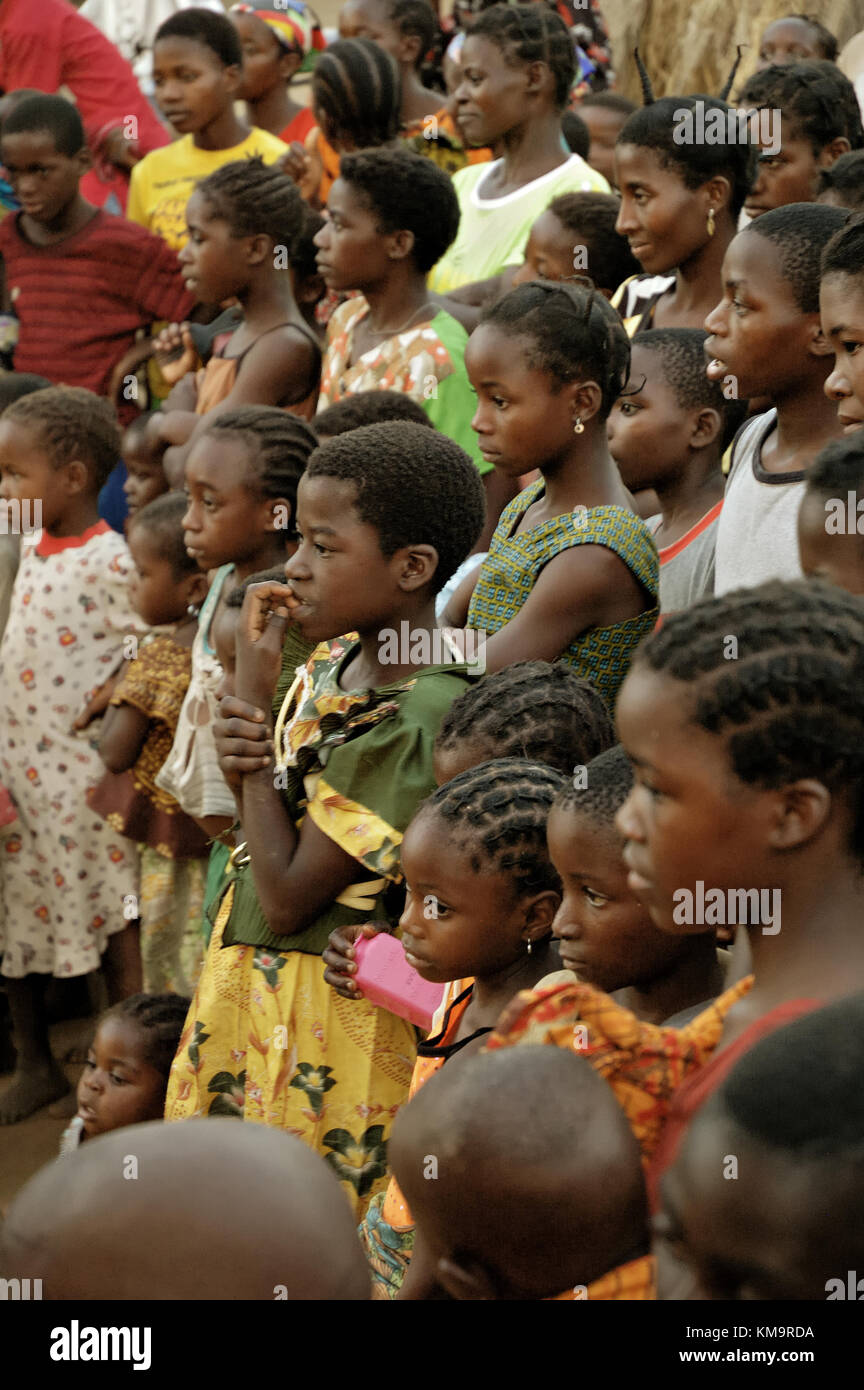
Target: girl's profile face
pixel 209 259
pixel 351 253
pixel 549 251
pixel 227 518
pixel 457 921
pixel 688 818
pixel 841 302
pixel 490 98
pixel 335 547
pixel 521 421
pixel 367 19
pixel 787 175
pixel 153 588
pixel 664 222
pixel 266 64
pixel 193 88
pixel 118 1085
pixel 27 474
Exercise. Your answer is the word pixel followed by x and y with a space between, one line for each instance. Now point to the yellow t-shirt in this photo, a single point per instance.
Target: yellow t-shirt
pixel 163 180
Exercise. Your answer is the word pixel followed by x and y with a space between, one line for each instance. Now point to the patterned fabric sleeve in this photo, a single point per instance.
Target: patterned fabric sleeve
pixel 157 680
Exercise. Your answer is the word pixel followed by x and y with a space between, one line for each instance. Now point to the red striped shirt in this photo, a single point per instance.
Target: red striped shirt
pixel 81 301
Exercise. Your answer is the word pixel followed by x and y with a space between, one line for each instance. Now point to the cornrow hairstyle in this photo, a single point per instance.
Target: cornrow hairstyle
pixel 356 91
pixel 414 485
pixel 648 97
pixel 799 1089
pixel 573 331
pixel 591 218
pixel 680 353
pixel 845 181
pixel 733 73
pixel 406 192
pixel 71 423
pixel 814 98
pixel 790 705
pixel 844 254
pixel 278 446
pixel 414 18
pixel 365 408
pixel 161 1018
pixel 162 519
pixel 52 114
pixel 14 385
pixel 608 783
pixel 237 595
pixel 534 709
pixel 256 199
pixel 838 469
pixel 531 34
pixel 211 30
pixel 498 811
pixel 653 128
pixel 800 233
pixel 826 40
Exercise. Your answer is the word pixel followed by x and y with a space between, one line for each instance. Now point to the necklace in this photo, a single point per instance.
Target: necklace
pixel 391 332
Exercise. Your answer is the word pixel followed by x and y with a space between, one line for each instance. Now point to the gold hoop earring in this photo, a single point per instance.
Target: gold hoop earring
pixel 578 427
pixel 711 225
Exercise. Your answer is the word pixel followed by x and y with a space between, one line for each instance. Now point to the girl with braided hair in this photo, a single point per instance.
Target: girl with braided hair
pixel 244 221
pixel 820 119
pixel 572 572
pixel 517 70
pixel 126 1072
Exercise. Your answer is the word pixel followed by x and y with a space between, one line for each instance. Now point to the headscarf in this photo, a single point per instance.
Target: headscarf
pixel 294 25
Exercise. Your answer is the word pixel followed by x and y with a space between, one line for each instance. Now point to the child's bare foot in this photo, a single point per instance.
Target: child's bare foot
pixel 29 1091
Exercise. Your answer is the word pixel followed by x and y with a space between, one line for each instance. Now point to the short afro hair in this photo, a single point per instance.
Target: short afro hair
pixel 406 192
pixel 608 783
pixel 814 98
pixel 800 233
pixel 52 114
pixel 366 408
pixel 844 179
pixel 14 385
pixel 70 424
pixel 414 485
pixel 591 218
pixel 839 468
pixel 162 519
pixel 653 127
pixel 844 254
pixel 211 30
pixel 681 355
pixel 531 34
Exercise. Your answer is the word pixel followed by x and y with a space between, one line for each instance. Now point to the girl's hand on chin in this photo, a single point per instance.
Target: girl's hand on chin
pixel 260 634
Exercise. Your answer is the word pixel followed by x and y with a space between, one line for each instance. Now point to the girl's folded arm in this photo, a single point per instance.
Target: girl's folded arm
pixel 124 730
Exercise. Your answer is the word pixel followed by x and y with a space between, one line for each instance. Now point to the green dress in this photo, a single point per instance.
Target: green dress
pixel 508 574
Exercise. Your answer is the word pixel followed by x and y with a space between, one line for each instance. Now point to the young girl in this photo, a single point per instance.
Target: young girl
pixel 137 732
pixel 390 217
pixel 481 896
pixel 679 211
pixel 348 754
pixel 276 38
pixel 795 38
pixel 241 220
pixel 126 1071
pixel 197 72
pixel 530 47
pixel 820 117
pixel 145 475
pixel 65 873
pixel 548 362
pixel 241 483
pixel 841 305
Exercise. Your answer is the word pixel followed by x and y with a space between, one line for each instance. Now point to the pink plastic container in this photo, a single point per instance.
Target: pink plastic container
pixel 386 978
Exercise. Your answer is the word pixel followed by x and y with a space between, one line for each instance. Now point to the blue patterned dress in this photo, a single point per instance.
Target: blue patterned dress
pixel 510 571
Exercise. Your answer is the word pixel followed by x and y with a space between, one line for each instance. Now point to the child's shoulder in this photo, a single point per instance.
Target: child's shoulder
pixel 263 143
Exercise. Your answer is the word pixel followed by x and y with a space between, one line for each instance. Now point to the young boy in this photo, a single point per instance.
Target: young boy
pixel 604 113
pixel 790 1226
pixel 830 542
pixel 766 340
pixel 82 282
pixel 197 71
pixel 794 39
pixel 537 1191
pixel 841 303
pixel 820 120
pixel 668 433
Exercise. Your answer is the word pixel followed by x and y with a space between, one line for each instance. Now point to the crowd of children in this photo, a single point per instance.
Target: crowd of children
pixel 432 662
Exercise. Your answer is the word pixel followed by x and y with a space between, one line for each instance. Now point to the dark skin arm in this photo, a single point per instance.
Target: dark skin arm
pixel 296 875
pixel 124 730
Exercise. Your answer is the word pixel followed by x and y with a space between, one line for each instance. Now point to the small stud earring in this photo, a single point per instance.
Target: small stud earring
pixel 578 427
pixel 711 226
pixel 193 609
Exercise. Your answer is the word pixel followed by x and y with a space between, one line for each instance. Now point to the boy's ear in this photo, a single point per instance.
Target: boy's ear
pixel 819 345
pixel 802 808
pixel 77 477
pixel 416 566
pixel 706 427
pixel 465 1279
pixel 832 151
